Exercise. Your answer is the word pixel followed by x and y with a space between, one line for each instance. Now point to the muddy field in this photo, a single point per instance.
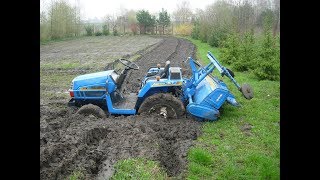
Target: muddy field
pixel 71 142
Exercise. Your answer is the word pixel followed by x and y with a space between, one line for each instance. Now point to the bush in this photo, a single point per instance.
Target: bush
pixel 134 28
pixel 248 53
pixel 89 30
pixel 183 29
pixel 115 32
pixel 105 30
pixel 213 40
pixel 216 37
pixel 230 51
pixel 98 33
pixel 195 34
pixel 268 63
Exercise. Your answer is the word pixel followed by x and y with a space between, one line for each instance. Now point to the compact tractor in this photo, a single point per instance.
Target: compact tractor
pixel 164 91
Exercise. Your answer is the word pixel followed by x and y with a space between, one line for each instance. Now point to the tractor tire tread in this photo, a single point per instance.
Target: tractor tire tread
pixel 162 98
pixel 91 109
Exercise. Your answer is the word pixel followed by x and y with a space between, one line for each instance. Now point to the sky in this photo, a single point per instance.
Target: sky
pixel 99 8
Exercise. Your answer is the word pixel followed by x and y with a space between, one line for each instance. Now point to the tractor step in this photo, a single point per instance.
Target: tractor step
pixel 127 102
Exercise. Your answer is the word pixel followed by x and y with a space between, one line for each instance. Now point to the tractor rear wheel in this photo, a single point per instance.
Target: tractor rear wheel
pixel 90 109
pixel 162 104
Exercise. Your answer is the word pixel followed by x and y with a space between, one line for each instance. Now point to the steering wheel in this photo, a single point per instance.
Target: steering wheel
pixel 129 64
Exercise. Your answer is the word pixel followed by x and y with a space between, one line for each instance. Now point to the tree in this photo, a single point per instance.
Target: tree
pixel 276 27
pixel 112 22
pixel 44 26
pixel 268 15
pixel 245 16
pixel 215 22
pixel 145 20
pixel 183 13
pixel 105 30
pixel 132 21
pixel 153 22
pixel 164 19
pixel 63 20
pixel 268 66
pixel 123 18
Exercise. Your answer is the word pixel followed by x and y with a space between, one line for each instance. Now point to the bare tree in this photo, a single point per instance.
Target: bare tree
pixel 59 19
pixel 113 22
pixel 183 13
pixel 122 18
pixel 132 21
pixel 276 27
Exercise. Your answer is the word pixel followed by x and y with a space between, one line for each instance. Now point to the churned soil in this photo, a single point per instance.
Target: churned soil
pixel 71 142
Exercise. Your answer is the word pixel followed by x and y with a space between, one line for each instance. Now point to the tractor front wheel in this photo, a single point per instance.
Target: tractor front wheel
pixel 162 104
pixel 90 109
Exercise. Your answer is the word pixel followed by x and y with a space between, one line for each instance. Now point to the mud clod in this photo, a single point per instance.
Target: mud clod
pixel 246 129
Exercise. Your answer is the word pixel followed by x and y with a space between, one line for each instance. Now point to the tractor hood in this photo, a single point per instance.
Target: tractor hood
pixel 98 78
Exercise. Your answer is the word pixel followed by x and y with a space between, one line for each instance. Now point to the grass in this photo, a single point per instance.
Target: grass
pixel 76 175
pixel 226 150
pixel 48 41
pixel 138 168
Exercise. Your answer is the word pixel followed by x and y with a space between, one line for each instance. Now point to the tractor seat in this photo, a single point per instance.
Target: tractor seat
pixel 114 76
pixel 118 79
pixel 152 74
pixel 165 72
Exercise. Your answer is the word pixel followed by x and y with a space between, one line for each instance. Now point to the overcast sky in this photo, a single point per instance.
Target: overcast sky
pixel 99 8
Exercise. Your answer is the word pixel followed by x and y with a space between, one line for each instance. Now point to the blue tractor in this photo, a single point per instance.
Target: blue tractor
pixel 164 91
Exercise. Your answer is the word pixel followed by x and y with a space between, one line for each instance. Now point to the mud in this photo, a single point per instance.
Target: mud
pixel 172 49
pixel 246 129
pixel 71 142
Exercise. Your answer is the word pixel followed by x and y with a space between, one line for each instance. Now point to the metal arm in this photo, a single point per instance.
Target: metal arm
pixel 222 69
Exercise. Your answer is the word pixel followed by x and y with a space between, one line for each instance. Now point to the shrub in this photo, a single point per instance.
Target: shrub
pixel 248 53
pixel 115 32
pixel 98 33
pixel 268 63
pixel 183 29
pixel 89 30
pixel 216 37
pixel 105 30
pixel 230 51
pixel 195 34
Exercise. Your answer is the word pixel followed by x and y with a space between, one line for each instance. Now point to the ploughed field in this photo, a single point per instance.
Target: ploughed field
pixel 72 142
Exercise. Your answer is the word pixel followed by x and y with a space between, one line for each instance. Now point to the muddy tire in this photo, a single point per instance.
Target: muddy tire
pixel 90 109
pixel 162 104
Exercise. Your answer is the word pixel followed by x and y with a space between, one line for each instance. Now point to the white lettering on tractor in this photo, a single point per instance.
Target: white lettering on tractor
pixel 219 97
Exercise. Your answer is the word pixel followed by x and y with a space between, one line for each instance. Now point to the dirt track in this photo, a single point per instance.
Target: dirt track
pixel 71 142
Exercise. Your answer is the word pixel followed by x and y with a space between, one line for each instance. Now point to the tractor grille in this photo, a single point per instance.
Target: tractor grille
pixel 94 93
pixel 78 94
pixel 85 94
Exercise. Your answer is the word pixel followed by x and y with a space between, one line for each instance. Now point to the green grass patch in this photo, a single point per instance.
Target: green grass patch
pixel 198 171
pixel 135 57
pixel 76 175
pixel 63 65
pixel 200 156
pixel 49 41
pixel 202 50
pixel 244 143
pixel 138 168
